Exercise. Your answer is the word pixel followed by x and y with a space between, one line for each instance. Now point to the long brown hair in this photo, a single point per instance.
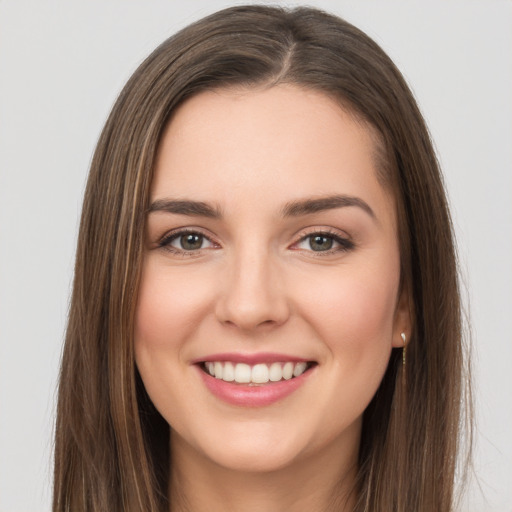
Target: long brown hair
pixel 111 447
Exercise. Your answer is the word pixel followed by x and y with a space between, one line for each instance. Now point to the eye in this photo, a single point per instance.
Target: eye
pixel 186 242
pixel 320 242
pixel 324 242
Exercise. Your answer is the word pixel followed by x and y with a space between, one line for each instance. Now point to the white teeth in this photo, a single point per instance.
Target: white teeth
pixel 218 370
pixel 299 369
pixel 228 373
pixel 288 371
pixel 258 374
pixel 275 372
pixel 242 373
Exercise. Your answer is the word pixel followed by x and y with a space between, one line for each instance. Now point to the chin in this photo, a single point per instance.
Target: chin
pixel 248 448
pixel 249 458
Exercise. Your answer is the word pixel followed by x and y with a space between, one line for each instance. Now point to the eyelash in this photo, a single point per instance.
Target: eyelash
pixel 343 244
pixel 166 241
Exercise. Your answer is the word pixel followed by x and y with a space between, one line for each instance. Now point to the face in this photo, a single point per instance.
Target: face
pixel 271 262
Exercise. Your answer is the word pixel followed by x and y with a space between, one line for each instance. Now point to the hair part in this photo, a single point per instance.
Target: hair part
pixel 112 445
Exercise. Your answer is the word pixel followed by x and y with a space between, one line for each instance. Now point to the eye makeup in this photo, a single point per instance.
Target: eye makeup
pixel 193 242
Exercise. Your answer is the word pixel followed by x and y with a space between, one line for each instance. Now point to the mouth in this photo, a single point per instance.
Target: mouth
pixel 254 380
pixel 256 374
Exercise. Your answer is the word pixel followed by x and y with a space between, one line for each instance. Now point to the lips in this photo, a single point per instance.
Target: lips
pixel 253 380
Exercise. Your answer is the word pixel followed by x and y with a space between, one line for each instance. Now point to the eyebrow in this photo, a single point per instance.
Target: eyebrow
pixel 315 205
pixel 185 207
pixel 296 208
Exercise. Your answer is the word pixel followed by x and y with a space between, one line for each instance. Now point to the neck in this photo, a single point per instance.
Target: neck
pixel 325 484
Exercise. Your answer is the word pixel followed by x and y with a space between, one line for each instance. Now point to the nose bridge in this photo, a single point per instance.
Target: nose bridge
pixel 252 294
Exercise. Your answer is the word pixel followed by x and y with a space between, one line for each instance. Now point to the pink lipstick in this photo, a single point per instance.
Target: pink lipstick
pixel 253 380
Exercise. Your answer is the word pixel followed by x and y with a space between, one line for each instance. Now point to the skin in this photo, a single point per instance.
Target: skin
pixel 256 285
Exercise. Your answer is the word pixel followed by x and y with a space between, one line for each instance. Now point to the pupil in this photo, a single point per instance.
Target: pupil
pixel 320 243
pixel 190 242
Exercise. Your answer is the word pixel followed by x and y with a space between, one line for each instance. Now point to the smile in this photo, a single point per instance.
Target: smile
pixel 254 381
pixel 260 373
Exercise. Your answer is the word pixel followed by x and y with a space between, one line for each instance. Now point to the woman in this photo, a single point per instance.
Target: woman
pixel 265 312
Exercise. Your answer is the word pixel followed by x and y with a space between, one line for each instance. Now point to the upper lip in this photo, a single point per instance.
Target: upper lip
pixel 251 359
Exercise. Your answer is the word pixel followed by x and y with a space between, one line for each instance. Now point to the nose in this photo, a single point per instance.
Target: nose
pixel 252 293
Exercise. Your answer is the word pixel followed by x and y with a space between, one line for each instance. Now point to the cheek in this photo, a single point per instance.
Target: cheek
pixel 353 314
pixel 352 306
pixel 169 307
pixel 354 319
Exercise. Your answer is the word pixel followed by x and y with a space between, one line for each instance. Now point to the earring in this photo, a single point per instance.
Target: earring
pixel 404 339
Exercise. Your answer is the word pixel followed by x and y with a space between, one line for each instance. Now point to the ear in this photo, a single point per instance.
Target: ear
pixel 403 321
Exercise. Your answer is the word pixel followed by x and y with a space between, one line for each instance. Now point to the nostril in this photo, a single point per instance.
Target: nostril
pixel 247 324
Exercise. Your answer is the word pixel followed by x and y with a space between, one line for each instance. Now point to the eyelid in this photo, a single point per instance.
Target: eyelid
pixel 165 241
pixel 344 241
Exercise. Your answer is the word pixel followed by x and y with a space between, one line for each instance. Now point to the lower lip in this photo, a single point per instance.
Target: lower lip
pixel 259 395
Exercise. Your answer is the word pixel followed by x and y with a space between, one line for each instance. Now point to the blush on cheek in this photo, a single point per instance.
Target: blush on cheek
pixel 152 320
pixel 169 306
pixel 355 313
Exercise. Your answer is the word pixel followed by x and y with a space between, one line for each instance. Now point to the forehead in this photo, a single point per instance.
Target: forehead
pixel 279 142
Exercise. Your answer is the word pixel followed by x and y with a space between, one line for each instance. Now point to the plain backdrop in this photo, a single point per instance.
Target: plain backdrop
pixel 62 64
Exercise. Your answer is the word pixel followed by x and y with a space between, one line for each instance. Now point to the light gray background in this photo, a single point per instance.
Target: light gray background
pixel 62 63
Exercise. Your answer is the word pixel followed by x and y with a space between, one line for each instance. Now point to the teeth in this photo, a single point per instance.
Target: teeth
pixel 257 374
pixel 275 372
pixel 228 373
pixel 298 370
pixel 242 373
pixel 288 371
